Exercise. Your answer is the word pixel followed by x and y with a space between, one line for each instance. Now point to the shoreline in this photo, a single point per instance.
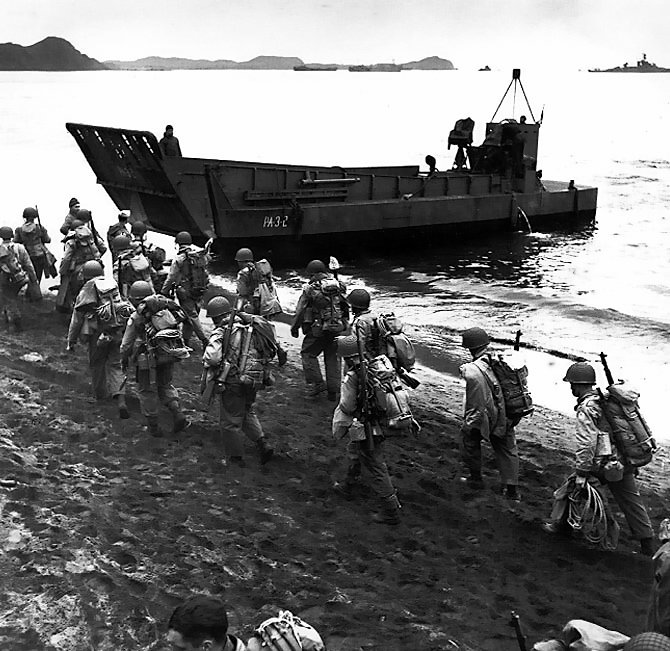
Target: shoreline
pixel 105 529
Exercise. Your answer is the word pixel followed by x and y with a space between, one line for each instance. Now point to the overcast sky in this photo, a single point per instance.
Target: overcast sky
pixel 470 33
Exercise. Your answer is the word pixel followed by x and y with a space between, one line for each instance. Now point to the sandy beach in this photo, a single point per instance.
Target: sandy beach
pixel 104 529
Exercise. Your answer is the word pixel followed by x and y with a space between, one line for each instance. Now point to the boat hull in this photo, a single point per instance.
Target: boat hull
pixel 294 210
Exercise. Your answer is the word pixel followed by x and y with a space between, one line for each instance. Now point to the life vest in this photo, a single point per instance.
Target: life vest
pixel 326 298
pixel 162 318
pixel 10 266
pixel 631 435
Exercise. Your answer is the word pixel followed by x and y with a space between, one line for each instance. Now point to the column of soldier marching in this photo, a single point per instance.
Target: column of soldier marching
pixel 140 322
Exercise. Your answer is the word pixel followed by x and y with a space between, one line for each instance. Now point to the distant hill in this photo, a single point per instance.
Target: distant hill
pixel 175 63
pixel 429 63
pixel 50 54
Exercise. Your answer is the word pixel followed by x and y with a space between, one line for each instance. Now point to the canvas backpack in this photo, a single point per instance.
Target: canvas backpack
pixel 31 237
pixel 389 396
pixel 327 313
pixel 196 271
pixel 133 266
pixel 513 380
pixel 11 267
pixel 257 348
pixel 112 311
pixel 162 318
pixel 630 433
pixel 400 349
pixel 85 246
pixel 267 291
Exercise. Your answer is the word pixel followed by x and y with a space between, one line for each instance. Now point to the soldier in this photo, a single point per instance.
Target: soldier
pixel 322 313
pixel 354 414
pixel 154 366
pixel 590 441
pixel 120 228
pixel 34 237
pixel 229 355
pixel 485 418
pixel 71 216
pixel 99 317
pixel 189 277
pixel 16 273
pixel 130 265
pixel 169 143
pixel 155 254
pixel 81 245
pixel 252 279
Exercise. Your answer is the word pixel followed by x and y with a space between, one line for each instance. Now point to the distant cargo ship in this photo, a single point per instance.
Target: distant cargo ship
pixel 377 67
pixel 641 66
pixel 314 68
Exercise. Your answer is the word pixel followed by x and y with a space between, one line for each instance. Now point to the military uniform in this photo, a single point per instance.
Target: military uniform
pixel 485 419
pixel 190 300
pixel 104 358
pixel 34 236
pixel 589 439
pixel 316 341
pixel 11 291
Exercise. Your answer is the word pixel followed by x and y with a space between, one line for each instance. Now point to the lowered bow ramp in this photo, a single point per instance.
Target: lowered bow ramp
pixel 131 168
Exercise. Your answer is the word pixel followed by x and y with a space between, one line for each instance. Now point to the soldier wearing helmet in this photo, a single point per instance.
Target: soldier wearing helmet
pixel 322 313
pixel 120 228
pixel 82 244
pixel 188 278
pixel 485 418
pixel 256 290
pixel 155 254
pixel 130 264
pixel 594 443
pixel 154 368
pixel 221 359
pixel 35 238
pixel 349 417
pixel 98 319
pixel 16 274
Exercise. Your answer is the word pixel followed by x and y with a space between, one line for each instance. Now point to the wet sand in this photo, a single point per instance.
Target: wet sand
pixel 104 529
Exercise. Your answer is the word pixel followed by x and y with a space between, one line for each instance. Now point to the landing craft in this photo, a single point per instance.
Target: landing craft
pixel 289 209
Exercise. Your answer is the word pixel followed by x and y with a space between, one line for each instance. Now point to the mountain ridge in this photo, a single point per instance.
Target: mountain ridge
pixel 49 54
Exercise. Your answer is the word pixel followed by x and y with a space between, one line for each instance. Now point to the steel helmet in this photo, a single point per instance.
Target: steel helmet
pixel 347 346
pixel 244 255
pixel 138 228
pixel 580 373
pixel 6 233
pixel 475 338
pixel 124 215
pixel 359 298
pixel 218 306
pixel 91 269
pixel 316 267
pixel 120 242
pixel 183 237
pixel 76 223
pixel 649 641
pixel 140 289
pixel 29 213
pixel 84 215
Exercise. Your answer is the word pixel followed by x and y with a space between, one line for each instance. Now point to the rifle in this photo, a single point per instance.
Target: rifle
pixel 517 340
pixel 515 623
pixel 608 373
pixel 363 397
pixel 405 377
pixel 218 377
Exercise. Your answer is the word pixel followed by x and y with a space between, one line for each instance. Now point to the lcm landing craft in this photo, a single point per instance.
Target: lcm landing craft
pixel 284 209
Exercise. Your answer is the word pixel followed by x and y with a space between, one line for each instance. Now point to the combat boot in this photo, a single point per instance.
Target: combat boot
pixel 122 406
pixel 153 428
pixel 265 452
pixel 390 513
pixel 179 421
pixel 315 390
pixel 282 356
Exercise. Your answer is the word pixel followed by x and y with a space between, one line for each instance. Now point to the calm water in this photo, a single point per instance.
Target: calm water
pixel 572 293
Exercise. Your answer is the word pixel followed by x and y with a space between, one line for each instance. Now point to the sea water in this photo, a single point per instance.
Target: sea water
pixel 572 294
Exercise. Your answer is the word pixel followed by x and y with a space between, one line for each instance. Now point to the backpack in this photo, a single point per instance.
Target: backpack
pixel 400 349
pixel 327 313
pixel 85 245
pixel 113 311
pixel 513 380
pixel 630 433
pixel 389 396
pixel 11 267
pixel 197 274
pixel 30 235
pixel 132 267
pixel 267 291
pixel 162 317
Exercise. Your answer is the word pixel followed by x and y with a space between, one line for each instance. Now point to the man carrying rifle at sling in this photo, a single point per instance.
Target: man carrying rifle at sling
pixel 355 415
